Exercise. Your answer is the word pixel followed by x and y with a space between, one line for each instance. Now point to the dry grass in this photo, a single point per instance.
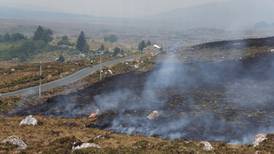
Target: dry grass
pixel 40 137
pixel 56 135
pixel 7 104
pixel 27 75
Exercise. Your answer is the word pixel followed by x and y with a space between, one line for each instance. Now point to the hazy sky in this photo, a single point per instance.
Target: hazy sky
pixel 112 8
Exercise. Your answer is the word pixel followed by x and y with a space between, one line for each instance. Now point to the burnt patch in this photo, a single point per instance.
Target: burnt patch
pixel 201 101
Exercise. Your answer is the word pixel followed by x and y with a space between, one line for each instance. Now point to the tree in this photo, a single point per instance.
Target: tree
pixel 6 37
pixel 102 47
pixel 12 37
pixel 82 43
pixel 43 34
pixel 141 46
pixel 117 51
pixel 64 41
pixel 148 43
pixel 38 34
pixel 111 38
pixel 17 37
pixel 61 59
pixel 28 49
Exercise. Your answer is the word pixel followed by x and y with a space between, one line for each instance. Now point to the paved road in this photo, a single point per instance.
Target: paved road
pixel 66 80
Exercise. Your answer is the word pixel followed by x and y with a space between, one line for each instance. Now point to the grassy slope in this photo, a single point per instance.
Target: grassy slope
pixel 57 135
pixel 228 50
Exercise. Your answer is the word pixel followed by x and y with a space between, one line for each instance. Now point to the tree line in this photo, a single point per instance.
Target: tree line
pixel 27 46
pixel 40 41
pixel 12 37
pixel 143 44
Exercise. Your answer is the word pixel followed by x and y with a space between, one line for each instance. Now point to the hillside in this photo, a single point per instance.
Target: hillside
pixel 222 14
pixel 239 44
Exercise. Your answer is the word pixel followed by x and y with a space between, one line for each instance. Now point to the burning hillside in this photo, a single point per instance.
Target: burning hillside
pixel 227 101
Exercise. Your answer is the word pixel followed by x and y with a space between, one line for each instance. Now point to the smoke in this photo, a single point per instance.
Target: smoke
pixel 240 91
pixel 227 101
pixel 250 93
pixel 157 82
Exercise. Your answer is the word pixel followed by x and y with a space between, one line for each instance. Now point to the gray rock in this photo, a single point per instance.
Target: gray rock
pixel 153 115
pixel 14 140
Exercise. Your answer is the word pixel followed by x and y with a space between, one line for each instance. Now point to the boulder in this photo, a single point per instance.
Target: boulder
pixel 29 120
pixel 94 115
pixel 14 140
pixel 259 139
pixel 110 71
pixel 85 145
pixel 207 146
pixel 153 115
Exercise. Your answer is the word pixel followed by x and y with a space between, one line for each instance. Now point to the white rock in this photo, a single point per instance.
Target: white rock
pixel 259 139
pixel 86 145
pixel 82 55
pixel 29 120
pixel 207 146
pixel 153 115
pixel 136 66
pixel 14 140
pixel 110 71
pixel 94 115
pixel 99 137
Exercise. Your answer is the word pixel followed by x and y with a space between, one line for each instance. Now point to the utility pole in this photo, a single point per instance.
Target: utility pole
pixel 40 80
pixel 100 65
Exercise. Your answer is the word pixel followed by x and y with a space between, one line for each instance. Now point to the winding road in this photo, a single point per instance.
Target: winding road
pixel 68 79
